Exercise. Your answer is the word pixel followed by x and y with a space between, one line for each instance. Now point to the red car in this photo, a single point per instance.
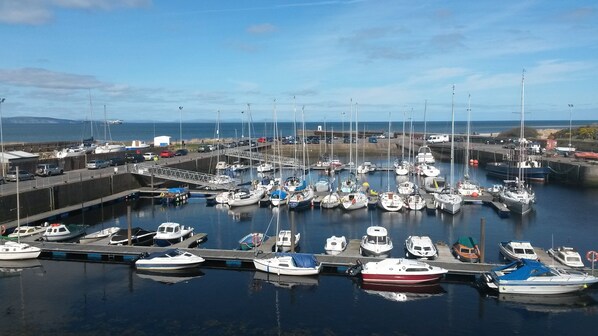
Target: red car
pixel 261 140
pixel 166 153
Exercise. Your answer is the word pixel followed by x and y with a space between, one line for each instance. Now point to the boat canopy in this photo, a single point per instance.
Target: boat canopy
pixel 467 241
pixel 301 259
pixel 279 194
pixel 177 190
pixel 524 269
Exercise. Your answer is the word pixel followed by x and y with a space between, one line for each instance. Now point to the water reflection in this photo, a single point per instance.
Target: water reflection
pixel 284 281
pixel 561 303
pixel 172 276
pixel 16 266
pixel 403 293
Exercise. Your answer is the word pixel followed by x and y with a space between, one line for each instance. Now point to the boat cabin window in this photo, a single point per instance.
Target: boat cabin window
pixel 427 248
pixel 283 265
pixel 417 248
pixel 519 251
pixel 376 240
pixel 529 251
pixel 416 269
pixel 62 229
pixel 572 259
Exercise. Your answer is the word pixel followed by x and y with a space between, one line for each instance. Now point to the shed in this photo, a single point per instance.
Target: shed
pixel 25 160
pixel 162 141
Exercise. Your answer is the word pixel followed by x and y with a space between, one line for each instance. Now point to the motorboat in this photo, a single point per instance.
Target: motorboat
pixel 265 167
pixel 61 232
pixel 246 197
pixel 222 182
pixel 420 247
pixel 11 250
pixel 278 197
pixel 322 185
pixel 95 236
pixel 366 168
pixel 172 259
pixel 301 200
pixel 415 202
pixel 466 249
pixel 223 197
pixel 27 231
pixel 531 169
pixel 330 201
pixel 390 201
pixel 401 271
pixel 251 241
pixel 567 256
pixel 238 166
pixel 335 245
pixel 110 148
pixel 376 242
pixel 283 241
pixel 289 264
pixel 169 233
pixel 517 249
pixel 353 201
pixel 528 276
pixel 221 165
pixel 469 188
pixel 139 237
pixel 137 145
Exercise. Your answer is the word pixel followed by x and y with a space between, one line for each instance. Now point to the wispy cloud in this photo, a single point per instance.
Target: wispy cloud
pixel 36 12
pixel 43 78
pixel 262 28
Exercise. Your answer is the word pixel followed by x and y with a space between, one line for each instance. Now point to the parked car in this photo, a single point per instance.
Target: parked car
pixel 134 158
pixel 117 161
pixel 2 180
pixel 97 164
pixel 22 175
pixel 166 153
pixel 149 156
pixel 181 152
pixel 48 169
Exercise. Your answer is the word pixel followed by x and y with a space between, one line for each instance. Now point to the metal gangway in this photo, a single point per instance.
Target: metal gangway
pixel 261 157
pixel 215 182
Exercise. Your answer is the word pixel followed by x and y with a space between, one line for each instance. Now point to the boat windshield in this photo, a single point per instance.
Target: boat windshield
pixel 380 240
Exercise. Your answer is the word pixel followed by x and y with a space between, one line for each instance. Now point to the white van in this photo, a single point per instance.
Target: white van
pixel 438 138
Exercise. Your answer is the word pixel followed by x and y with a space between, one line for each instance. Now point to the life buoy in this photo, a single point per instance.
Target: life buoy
pixel 162 194
pixel 2 230
pixel 592 256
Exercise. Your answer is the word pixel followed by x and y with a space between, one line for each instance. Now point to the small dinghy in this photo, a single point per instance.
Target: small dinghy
pixel 95 236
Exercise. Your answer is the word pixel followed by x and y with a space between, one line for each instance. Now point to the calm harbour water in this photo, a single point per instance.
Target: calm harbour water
pixel 63 297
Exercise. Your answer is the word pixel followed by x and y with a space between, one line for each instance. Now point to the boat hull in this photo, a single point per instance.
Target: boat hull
pixel 505 171
pixel 401 278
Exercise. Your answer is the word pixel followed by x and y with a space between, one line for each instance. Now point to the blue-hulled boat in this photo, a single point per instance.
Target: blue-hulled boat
pixel 527 276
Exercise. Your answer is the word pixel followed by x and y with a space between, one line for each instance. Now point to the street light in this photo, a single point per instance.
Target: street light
pixel 181 126
pixel 570 111
pixel 1 138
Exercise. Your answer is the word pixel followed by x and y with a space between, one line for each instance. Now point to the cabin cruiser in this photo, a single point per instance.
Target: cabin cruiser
pixel 173 259
pixel 466 249
pixel 283 241
pixel 335 245
pixel 18 251
pixel 424 155
pixel 27 231
pixel 61 232
pixel 420 247
pixel 399 271
pixel 171 233
pixel 517 249
pixel 289 264
pixel 567 256
pixel 376 242
pixel 528 276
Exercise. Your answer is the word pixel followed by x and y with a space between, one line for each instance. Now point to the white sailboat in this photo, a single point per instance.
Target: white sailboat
pixel 109 147
pixel 468 187
pixel 388 200
pixel 11 250
pixel 516 195
pixel 447 200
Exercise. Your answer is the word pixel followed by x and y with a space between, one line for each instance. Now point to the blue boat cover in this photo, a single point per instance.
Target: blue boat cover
pixel 304 260
pixel 280 193
pixel 525 268
pixel 177 190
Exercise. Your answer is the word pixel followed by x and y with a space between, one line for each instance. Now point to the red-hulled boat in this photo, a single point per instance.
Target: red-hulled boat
pixel 401 271
pixel 586 155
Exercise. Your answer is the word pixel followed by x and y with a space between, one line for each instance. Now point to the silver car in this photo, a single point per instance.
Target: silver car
pixel 22 175
pixel 97 164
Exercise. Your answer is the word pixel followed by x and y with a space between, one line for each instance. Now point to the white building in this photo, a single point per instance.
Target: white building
pixel 162 141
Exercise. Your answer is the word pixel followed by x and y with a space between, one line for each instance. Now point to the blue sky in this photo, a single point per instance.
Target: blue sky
pixel 143 59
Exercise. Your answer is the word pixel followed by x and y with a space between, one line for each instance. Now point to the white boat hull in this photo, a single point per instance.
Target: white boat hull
pixel 283 266
pixel 18 251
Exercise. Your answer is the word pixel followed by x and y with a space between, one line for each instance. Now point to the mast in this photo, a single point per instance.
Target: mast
pixel 521 132
pixel 388 157
pixel 249 123
pixel 452 137
pixel 18 207
pixel 303 138
pixel 351 132
pixel 425 123
pixel 356 135
pixel 403 138
pixel 466 173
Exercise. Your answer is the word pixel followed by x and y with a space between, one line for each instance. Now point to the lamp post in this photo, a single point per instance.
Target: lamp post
pixel 1 138
pixel 181 126
pixel 570 111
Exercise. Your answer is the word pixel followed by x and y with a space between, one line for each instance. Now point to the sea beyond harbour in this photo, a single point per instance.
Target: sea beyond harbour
pixel 90 298
pixel 125 132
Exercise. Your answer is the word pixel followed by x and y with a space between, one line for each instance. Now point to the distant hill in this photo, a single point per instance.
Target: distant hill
pixel 38 120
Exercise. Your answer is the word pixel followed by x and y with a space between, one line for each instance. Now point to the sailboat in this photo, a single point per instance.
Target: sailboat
pixel 515 194
pixel 302 196
pixel 109 147
pixel 389 201
pixel 11 250
pixel 402 166
pixel 468 187
pixel 220 179
pixel 447 200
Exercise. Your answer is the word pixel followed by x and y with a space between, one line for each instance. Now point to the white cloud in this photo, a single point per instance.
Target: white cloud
pixel 43 78
pixel 35 12
pixel 261 28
